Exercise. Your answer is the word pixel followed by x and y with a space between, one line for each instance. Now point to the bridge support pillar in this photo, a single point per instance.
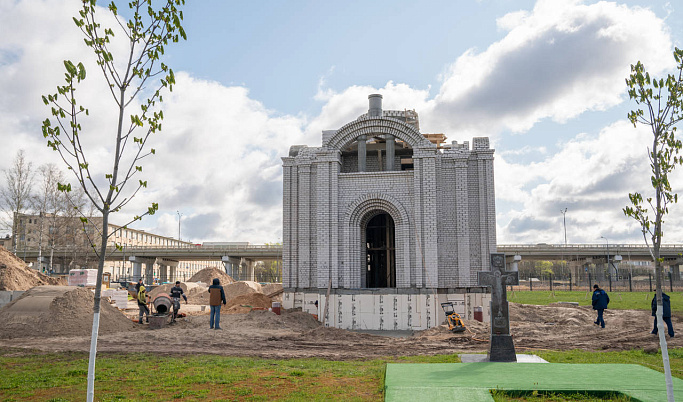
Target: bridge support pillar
pixel 163 273
pixel 576 271
pixel 248 269
pixel 148 276
pixel 232 265
pixel 675 271
pixel 164 266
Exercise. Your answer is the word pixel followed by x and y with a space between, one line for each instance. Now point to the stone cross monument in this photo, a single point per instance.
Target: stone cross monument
pixel 501 347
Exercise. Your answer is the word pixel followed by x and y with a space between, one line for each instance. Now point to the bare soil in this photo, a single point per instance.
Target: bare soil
pixel 207 275
pixel 16 275
pixel 65 326
pixel 231 291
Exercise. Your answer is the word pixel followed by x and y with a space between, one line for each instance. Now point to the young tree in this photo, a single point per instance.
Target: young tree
pixel 130 77
pixel 16 197
pixel 660 108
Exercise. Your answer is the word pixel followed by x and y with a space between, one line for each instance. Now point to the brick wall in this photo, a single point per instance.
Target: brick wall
pixel 443 210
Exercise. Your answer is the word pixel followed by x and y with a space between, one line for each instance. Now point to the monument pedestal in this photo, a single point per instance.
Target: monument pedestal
pixel 502 349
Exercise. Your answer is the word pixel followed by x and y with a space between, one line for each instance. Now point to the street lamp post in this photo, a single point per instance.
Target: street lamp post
pixel 564 223
pixel 179 216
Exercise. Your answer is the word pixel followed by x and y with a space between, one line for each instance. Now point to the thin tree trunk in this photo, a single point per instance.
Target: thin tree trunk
pixel 96 308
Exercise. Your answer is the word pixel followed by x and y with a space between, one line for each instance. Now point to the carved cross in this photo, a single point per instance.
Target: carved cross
pixel 498 279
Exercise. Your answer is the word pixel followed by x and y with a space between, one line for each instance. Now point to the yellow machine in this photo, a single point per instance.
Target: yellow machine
pixel 455 323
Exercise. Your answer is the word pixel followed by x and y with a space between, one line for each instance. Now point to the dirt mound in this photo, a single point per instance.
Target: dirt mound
pixel 245 303
pixel 207 275
pixel 231 290
pixel 258 320
pixel 299 320
pixel 295 334
pixel 271 288
pixel 189 288
pixel 16 275
pixel 58 311
pixel 565 314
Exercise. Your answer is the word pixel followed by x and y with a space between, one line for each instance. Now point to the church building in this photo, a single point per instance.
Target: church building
pixel 382 223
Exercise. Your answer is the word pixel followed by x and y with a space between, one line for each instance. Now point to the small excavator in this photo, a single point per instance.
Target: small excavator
pixel 453 319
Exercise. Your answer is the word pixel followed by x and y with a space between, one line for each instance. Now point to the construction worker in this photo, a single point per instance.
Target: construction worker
pixel 666 313
pixel 176 293
pixel 142 302
pixel 216 296
pixel 600 302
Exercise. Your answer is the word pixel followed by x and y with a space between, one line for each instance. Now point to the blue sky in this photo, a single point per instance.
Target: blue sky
pixel 543 79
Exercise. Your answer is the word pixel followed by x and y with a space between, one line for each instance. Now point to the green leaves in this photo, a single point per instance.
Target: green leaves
pixel 661 101
pixel 65 188
pixel 70 68
pixel 135 119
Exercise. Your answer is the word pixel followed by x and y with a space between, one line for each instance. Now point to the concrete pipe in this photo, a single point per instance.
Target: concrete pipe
pixel 162 304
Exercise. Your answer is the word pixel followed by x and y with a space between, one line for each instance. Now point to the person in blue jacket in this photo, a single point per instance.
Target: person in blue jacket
pixel 666 313
pixel 600 302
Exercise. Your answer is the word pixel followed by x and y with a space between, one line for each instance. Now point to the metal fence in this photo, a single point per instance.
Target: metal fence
pixel 622 283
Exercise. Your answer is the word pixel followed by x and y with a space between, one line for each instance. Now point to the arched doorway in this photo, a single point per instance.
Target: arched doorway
pixel 380 252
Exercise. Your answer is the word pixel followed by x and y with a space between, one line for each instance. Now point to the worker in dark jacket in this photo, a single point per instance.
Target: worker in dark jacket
pixel 216 296
pixel 600 302
pixel 666 313
pixel 175 293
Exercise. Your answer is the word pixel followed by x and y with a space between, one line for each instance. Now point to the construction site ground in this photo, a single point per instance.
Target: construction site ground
pixel 54 318
pixel 57 319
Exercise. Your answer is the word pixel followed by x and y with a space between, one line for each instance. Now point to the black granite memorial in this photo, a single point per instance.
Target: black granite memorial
pixel 501 348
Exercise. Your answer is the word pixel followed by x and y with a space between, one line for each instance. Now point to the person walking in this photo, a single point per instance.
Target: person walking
pixel 175 293
pixel 666 313
pixel 142 302
pixel 216 296
pixel 600 302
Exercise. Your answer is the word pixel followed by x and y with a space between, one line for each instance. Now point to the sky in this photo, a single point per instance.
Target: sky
pixel 544 80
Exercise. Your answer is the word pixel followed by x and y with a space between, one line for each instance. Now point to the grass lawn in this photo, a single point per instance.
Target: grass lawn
pixel 618 300
pixel 126 377
pixel 62 376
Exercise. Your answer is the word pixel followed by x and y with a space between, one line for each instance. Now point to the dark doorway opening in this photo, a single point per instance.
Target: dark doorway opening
pixel 381 253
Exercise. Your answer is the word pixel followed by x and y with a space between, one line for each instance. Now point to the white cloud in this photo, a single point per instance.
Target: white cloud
pixel 558 61
pixel 347 105
pixel 592 177
pixel 218 156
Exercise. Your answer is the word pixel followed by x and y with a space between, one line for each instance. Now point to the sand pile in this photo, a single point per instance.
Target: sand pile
pixel 190 289
pixel 564 314
pixel 231 290
pixel 271 288
pixel 47 311
pixel 245 303
pixel 16 275
pixel 206 275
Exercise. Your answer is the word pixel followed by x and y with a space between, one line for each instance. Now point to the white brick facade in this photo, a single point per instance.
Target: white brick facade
pixel 443 209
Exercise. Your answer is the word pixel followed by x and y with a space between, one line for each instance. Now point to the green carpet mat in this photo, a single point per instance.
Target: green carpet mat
pixel 472 381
